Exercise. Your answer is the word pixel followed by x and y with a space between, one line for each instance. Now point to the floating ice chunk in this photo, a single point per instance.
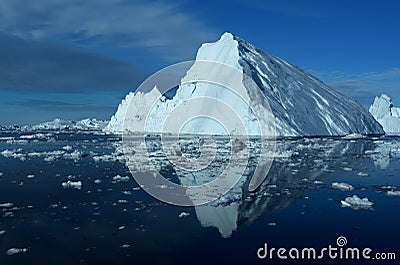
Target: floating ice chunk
pixel 393 193
pixel 75 155
pixel 6 205
pixel 271 224
pixel 72 184
pixel 183 214
pixel 1 174
pixel 97 181
pixel 318 182
pixel 118 178
pixel 2 232
pixel 356 203
pixel 347 169
pixel 362 174
pixel 67 148
pixel 14 251
pixel 30 176
pixel 122 227
pixel 125 246
pixel 342 186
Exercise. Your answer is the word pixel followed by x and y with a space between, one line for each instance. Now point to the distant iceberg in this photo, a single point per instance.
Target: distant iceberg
pixel 386 114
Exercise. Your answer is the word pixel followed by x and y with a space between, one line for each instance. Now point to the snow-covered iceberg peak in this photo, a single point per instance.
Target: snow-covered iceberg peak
pixel 302 104
pixel 386 114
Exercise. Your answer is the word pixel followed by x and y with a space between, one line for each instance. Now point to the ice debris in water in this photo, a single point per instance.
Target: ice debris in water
pixel 1 174
pixel 14 251
pixel 31 176
pixel 183 214
pixel 356 203
pixel 393 193
pixel 342 186
pixel 6 205
pixel 75 155
pixel 118 178
pixel 72 184
pixel 67 148
pixel 2 232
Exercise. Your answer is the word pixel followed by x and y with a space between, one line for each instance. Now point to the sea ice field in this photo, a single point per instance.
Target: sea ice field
pixel 68 197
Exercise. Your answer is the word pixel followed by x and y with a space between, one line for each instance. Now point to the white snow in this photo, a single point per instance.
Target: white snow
pixel 72 185
pixel 342 186
pixel 386 114
pixel 356 203
pixel 14 251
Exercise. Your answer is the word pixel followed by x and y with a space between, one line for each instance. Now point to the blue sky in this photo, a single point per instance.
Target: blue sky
pixel 76 59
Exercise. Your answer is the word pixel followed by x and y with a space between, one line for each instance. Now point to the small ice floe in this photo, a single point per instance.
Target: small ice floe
pixel 2 232
pixel 122 227
pixel 122 201
pixel 72 185
pixel 271 224
pixel 75 155
pixel 125 246
pixel 118 178
pixel 14 251
pixel 30 176
pixel 318 182
pixel 362 174
pixel 6 205
pixel 97 181
pixel 356 203
pixel 1 174
pixel 183 214
pixel 67 148
pixel 15 153
pixel 393 193
pixel 347 169
pixel 342 186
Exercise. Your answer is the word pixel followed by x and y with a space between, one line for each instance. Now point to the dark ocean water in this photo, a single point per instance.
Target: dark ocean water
pixel 113 221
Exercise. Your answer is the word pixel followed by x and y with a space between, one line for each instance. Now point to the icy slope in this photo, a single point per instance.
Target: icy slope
pixel 386 114
pixel 302 105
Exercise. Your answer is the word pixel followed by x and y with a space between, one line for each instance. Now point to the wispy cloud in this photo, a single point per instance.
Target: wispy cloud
pixel 41 67
pixel 160 26
pixel 57 106
pixel 364 86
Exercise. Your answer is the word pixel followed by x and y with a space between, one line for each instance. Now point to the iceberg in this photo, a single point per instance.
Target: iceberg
pixel 342 186
pixel 72 185
pixel 14 251
pixel 386 114
pixel 356 203
pixel 59 124
pixel 301 104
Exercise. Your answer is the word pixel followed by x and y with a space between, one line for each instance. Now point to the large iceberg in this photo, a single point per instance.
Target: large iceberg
pixel 302 104
pixel 386 114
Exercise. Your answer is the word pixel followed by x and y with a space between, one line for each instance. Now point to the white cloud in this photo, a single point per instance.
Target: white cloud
pixel 160 26
pixel 364 86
